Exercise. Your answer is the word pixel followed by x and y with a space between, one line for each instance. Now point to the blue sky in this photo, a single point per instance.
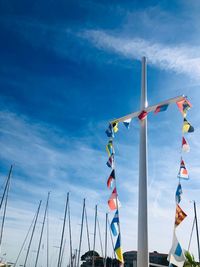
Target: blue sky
pixel 67 68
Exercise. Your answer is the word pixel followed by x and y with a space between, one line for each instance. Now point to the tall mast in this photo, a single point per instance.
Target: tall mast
pixel 195 214
pixel 106 237
pixel 6 185
pixel 63 231
pixel 43 223
pixel 29 245
pixel 95 226
pixel 70 236
pixel 5 206
pixel 88 236
pixel 100 236
pixel 143 255
pixel 48 234
pixel 25 240
pixel 82 220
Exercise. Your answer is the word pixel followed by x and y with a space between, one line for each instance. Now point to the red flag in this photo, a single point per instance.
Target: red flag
pixel 185 145
pixel 112 202
pixel 142 115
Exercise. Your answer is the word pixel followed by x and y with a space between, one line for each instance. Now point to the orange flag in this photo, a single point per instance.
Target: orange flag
pixel 180 215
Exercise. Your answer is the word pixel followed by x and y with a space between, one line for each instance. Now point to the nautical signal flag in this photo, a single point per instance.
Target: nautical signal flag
pixel 109 131
pixel 180 215
pixel 115 221
pixel 184 105
pixel 118 250
pixel 127 123
pixel 185 145
pixel 183 173
pixel 110 148
pixel 161 108
pixel 187 127
pixel 178 193
pixel 110 162
pixel 111 178
pixel 113 201
pixel 142 115
pixel 176 255
pixel 115 127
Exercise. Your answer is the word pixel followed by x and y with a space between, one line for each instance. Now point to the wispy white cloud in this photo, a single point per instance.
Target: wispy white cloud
pixel 178 58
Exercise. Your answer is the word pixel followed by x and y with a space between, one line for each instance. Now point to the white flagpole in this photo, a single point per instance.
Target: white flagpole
pixel 143 254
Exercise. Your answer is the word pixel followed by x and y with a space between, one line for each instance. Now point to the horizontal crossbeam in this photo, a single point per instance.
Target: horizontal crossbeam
pixel 149 109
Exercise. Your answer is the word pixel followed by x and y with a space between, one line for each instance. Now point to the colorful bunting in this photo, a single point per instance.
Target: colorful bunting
pixel 142 115
pixel 178 193
pixel 118 250
pixel 127 123
pixel 184 105
pixel 115 127
pixel 185 145
pixel 161 108
pixel 113 201
pixel 115 220
pixel 109 131
pixel 183 173
pixel 180 215
pixel 187 127
pixel 110 148
pixel 176 254
pixel 110 162
pixel 111 178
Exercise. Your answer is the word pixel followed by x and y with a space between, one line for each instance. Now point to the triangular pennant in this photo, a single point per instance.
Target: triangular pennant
pixel 110 148
pixel 161 108
pixel 115 127
pixel 183 173
pixel 185 145
pixel 127 123
pixel 110 162
pixel 187 127
pixel 118 250
pixel 111 178
pixel 180 215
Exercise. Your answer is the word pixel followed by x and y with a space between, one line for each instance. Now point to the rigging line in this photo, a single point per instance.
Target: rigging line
pixel 70 235
pixel 7 182
pixel 25 240
pixel 106 240
pixel 82 220
pixel 63 249
pixel 48 234
pixel 41 234
pixel 29 245
pixel 100 236
pixel 95 225
pixel 111 237
pixel 4 212
pixel 191 234
pixel 88 235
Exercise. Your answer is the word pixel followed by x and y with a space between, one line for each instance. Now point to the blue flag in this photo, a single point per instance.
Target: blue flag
pixel 178 193
pixel 114 221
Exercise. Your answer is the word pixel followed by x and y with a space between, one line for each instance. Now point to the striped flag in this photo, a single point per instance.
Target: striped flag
pixel 142 115
pixel 113 201
pixel 110 162
pixel 110 148
pixel 161 108
pixel 115 221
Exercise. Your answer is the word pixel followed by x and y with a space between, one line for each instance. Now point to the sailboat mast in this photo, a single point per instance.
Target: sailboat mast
pixel 43 223
pixel 63 231
pixel 195 214
pixel 82 220
pixel 95 226
pixel 4 212
pixel 48 234
pixel 70 236
pixel 29 245
pixel 106 237
pixel 7 183
pixel 88 236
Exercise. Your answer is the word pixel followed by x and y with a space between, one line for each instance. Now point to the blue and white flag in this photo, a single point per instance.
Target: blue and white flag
pixel 176 255
pixel 178 193
pixel 109 131
pixel 127 123
pixel 115 220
